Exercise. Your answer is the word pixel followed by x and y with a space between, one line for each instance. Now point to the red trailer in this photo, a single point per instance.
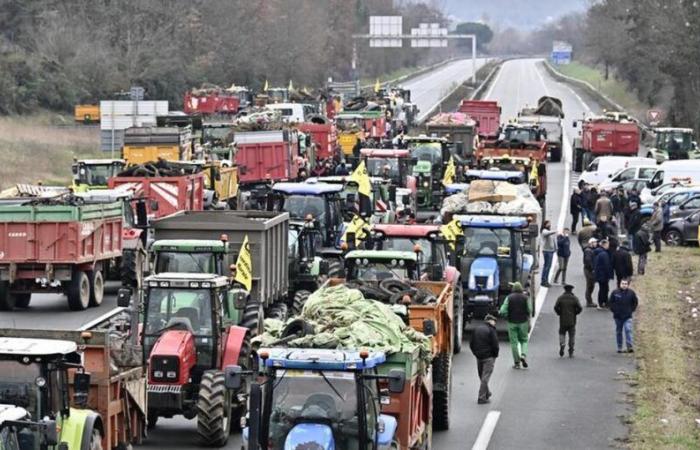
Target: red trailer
pixel 603 136
pixel 165 195
pixel 322 134
pixel 208 103
pixel 57 247
pixel 263 156
pixel 486 113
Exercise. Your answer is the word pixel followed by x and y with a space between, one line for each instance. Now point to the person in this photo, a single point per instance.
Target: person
pixel 633 196
pixel 656 225
pixel 619 203
pixel 589 269
pixel 516 309
pixel 575 208
pixel 484 346
pixel 587 232
pixel 563 254
pixel 603 207
pixel 622 262
pixel 642 246
pixel 604 229
pixel 567 307
pixel 549 246
pixel 623 304
pixel 342 170
pixel 603 269
pixel 633 219
pixel 589 198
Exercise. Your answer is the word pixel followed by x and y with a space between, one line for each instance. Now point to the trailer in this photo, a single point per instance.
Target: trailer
pixel 57 246
pixel 266 156
pixel 486 113
pixel 323 135
pixel 547 115
pixel 144 144
pixel 458 129
pixel 611 134
pixel 209 102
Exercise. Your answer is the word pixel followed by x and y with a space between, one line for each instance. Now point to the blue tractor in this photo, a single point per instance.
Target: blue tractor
pixel 492 255
pixel 319 399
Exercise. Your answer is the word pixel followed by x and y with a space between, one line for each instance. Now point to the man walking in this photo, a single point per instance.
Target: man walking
pixel 656 224
pixel 642 246
pixel 623 304
pixel 622 263
pixel 549 247
pixel 589 269
pixel 575 208
pixel 567 308
pixel 633 219
pixel 563 254
pixel 516 309
pixel 484 346
pixel 603 269
pixel 603 207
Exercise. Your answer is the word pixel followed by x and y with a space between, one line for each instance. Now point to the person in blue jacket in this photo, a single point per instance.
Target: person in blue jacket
pixel 623 304
pixel 604 272
pixel 563 254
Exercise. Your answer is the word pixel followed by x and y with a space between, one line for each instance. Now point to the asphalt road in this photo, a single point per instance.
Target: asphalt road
pixel 557 403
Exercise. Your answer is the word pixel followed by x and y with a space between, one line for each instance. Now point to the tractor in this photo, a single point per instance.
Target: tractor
pixel 672 144
pixel 394 166
pixel 431 156
pixel 190 334
pixel 94 173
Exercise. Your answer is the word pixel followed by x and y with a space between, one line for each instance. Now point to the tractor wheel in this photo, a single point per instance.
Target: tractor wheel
pixel 96 440
pixel 132 267
pixel 335 268
pixel 300 298
pixel 252 317
pixel 7 300
pixel 279 311
pixel 213 409
pixel 458 318
pixel 442 374
pixel 97 287
pixel 78 291
pixel 22 300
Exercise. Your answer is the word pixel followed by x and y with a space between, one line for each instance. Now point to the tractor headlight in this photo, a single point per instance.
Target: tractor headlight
pixel 172 375
pixel 426 184
pixel 157 374
pixel 40 382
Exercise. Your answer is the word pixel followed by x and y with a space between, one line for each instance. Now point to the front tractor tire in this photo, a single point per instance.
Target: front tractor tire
pixel 300 298
pixel 213 409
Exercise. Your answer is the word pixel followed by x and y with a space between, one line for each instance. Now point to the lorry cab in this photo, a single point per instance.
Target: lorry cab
pixel 674 143
pixel 492 255
pixel 321 399
pixel 94 173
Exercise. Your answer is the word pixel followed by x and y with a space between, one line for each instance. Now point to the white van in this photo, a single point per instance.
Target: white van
pixel 293 112
pixel 681 170
pixel 604 167
pixel 630 173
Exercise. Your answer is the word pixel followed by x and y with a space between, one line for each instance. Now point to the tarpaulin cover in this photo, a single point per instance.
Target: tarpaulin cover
pixel 520 200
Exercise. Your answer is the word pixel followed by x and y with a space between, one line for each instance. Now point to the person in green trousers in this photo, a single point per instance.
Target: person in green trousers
pixel 517 310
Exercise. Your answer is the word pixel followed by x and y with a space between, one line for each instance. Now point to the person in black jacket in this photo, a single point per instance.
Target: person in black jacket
pixel 622 262
pixel 603 271
pixel 563 254
pixel 567 308
pixel 589 269
pixel 623 304
pixel 575 208
pixel 484 346
pixel 633 219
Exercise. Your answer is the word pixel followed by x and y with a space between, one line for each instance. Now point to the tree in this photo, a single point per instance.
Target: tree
pixel 483 33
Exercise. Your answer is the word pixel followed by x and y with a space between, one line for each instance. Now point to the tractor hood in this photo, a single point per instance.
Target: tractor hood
pixel 483 274
pixel 174 351
pixel 311 436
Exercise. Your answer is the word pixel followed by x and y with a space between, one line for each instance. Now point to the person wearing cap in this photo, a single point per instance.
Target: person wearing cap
pixel 588 230
pixel 588 269
pixel 623 304
pixel 567 308
pixel 484 346
pixel 603 270
pixel 517 310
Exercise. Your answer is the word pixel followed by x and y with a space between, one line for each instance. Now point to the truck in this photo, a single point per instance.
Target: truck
pixel 610 134
pixel 86 114
pixel 94 173
pixel 486 114
pixel 673 143
pixel 211 102
pixel 266 156
pixel 493 255
pixel 547 115
pixel 458 129
pixel 145 144
pixel 86 388
pixel 323 135
pixel 57 244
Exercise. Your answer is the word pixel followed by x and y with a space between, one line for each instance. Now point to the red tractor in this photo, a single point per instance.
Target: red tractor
pixel 189 336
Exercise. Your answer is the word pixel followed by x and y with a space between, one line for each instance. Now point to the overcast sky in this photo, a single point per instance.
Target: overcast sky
pixel 518 13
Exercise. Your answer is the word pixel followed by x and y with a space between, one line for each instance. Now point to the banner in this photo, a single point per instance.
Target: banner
pixel 244 266
pixel 451 231
pixel 360 176
pixel 450 172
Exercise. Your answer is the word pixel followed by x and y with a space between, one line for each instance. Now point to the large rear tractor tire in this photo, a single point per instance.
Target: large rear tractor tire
pixel 442 375
pixel 97 287
pixel 78 291
pixel 132 267
pixel 252 317
pixel 300 298
pixel 335 269
pixel 279 311
pixel 458 318
pixel 213 409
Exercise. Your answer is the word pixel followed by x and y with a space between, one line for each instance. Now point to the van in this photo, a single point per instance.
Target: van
pixel 630 173
pixel 603 168
pixel 293 112
pixel 682 171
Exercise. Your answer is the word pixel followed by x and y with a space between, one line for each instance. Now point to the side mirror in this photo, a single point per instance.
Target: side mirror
pixel 397 381
pixel 154 205
pixel 74 169
pixel 240 298
pixel 406 199
pixel 233 377
pixel 429 327
pixel 141 214
pixel 124 297
pixel 574 124
pixel 81 388
pixel 392 193
pixel 324 267
pixel 350 240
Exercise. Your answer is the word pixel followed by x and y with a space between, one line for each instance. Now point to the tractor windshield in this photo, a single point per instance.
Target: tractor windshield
pixel 384 167
pixel 185 262
pixel 300 206
pixel 677 141
pixel 408 245
pixel 18 386
pixel 381 269
pixel 314 397
pixel 520 134
pixel 486 242
pixel 428 151
pixel 98 174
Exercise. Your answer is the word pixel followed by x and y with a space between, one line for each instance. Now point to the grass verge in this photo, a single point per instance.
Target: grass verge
pixel 33 148
pixel 667 391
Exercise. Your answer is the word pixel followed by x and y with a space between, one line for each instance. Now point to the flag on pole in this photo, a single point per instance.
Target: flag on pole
pixel 451 231
pixel 450 172
pixel 377 86
pixel 360 176
pixel 267 86
pixel 244 266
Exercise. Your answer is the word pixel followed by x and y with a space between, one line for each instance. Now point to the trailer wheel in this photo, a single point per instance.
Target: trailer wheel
pixel 300 298
pixel 151 420
pixel 96 440
pixel 22 300
pixel 7 300
pixel 78 291
pixel 97 287
pixel 213 409
pixel 278 311
pixel 442 374
pixel 458 318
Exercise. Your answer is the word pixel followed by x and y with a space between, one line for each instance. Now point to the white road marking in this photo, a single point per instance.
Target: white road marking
pixel 486 431
pixel 494 82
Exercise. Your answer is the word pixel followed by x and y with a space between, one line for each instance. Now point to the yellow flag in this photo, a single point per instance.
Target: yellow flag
pixel 267 86
pixel 450 172
pixel 291 86
pixel 360 176
pixel 377 86
pixel 534 175
pixel 358 226
pixel 451 231
pixel 244 266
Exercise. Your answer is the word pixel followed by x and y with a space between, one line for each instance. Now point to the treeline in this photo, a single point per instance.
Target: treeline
pixel 56 53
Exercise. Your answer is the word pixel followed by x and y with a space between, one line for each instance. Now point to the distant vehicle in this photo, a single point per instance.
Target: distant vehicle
pixel 638 172
pixel 682 230
pixel 651 195
pixel 293 112
pixel 602 167
pixel 688 207
pixel 87 114
pixel 486 113
pixel 634 184
pixel 547 115
pixel 674 143
pixel 612 134
pixel 683 171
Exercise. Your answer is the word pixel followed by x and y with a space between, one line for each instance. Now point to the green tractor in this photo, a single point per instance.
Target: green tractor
pixel 672 144
pixel 431 156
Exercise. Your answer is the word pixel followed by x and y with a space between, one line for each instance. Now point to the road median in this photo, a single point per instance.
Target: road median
pixel 666 392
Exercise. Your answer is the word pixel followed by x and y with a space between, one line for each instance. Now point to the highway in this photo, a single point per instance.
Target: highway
pixel 558 403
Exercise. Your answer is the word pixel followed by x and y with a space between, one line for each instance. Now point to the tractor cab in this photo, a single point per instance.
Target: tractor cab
pixel 304 260
pixel 395 166
pixel 94 173
pixel 34 393
pixel 321 399
pixel 189 256
pixel 431 156
pixel 379 265
pixel 321 202
pixel 217 140
pixel 382 202
pixel 522 133
pixel 492 255
pixel 674 143
pixel 189 334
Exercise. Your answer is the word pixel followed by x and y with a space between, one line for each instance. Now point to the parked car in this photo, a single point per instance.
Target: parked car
pixel 603 168
pixel 630 173
pixel 687 208
pixel 649 195
pixel 682 230
pixel 636 183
